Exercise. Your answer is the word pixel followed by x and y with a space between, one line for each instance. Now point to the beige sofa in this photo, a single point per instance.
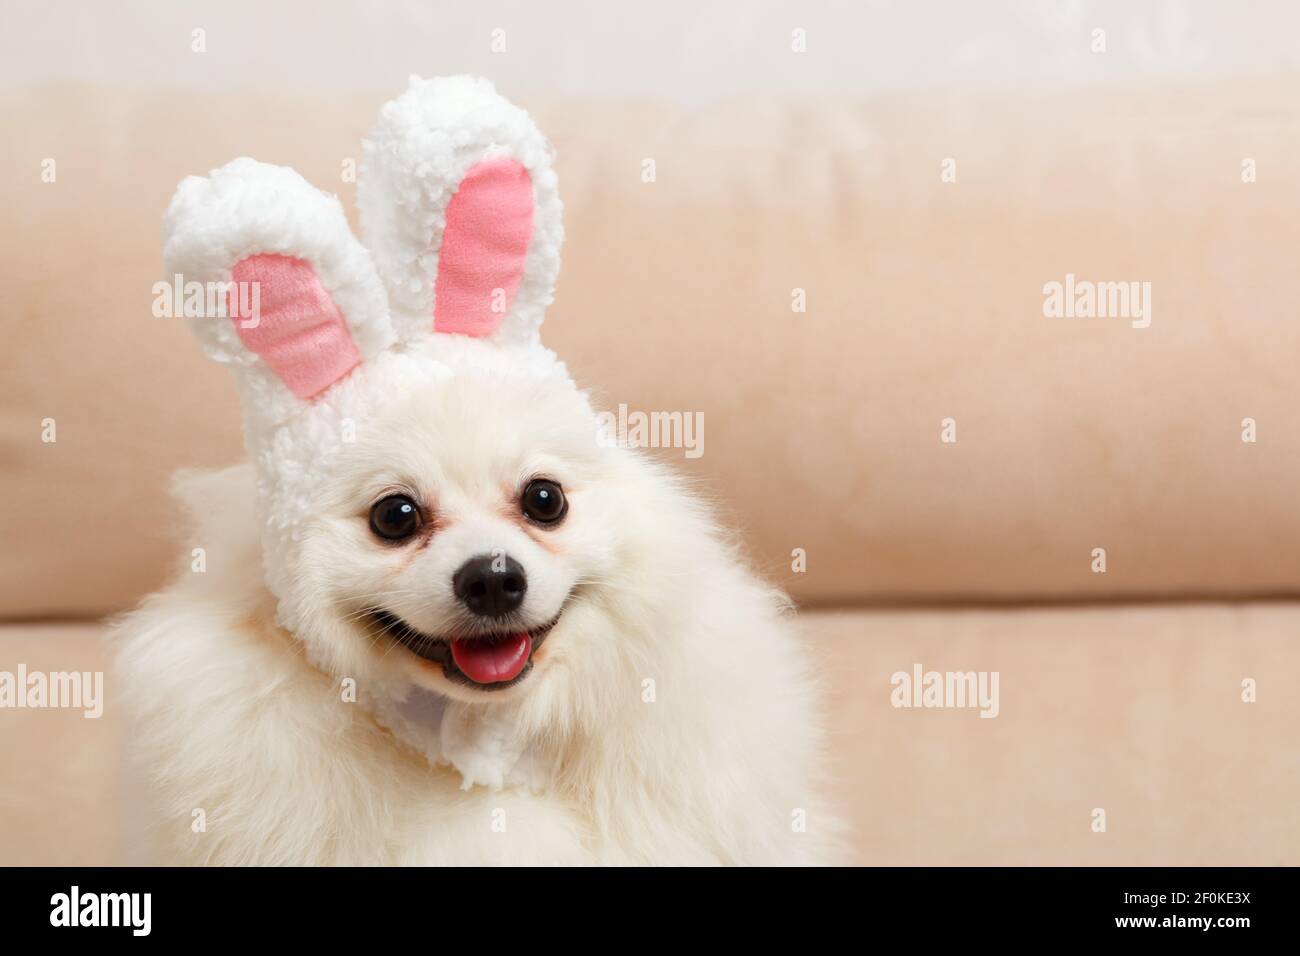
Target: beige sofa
pixel 1120 690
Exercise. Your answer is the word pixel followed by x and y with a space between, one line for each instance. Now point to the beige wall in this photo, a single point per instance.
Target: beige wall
pixel 681 51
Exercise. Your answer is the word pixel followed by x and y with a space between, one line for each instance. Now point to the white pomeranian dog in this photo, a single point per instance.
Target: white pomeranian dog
pixel 440 617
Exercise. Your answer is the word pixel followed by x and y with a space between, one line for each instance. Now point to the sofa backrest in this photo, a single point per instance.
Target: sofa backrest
pixel 836 286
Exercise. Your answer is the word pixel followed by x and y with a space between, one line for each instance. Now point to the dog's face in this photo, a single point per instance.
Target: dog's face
pixel 466 522
pixel 454 537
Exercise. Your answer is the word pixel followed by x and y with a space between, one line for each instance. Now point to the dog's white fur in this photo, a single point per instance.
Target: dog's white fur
pixel 671 704
pixel 669 716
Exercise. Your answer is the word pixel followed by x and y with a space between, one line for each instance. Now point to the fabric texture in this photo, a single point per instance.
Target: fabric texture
pixel 295 327
pixel 1144 702
pixel 484 248
pixel 822 428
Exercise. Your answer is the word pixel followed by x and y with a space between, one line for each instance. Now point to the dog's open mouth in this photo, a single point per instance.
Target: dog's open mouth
pixel 488 661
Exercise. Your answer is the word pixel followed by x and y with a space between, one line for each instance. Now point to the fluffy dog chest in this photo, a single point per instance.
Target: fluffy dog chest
pixel 483 744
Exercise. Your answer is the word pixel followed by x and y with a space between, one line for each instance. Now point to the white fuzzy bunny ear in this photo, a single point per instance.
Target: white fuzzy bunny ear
pixel 299 304
pixel 460 210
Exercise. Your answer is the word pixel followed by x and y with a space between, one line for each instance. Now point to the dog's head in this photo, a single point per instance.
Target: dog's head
pixel 435 499
pixel 458 533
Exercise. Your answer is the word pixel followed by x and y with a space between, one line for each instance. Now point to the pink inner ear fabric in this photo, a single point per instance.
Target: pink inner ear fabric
pixel 484 245
pixel 296 328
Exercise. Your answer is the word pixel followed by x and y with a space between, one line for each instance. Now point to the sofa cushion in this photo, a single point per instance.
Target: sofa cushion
pixel 1134 710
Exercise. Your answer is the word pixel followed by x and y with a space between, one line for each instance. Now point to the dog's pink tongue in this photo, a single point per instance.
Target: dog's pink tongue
pixel 492 662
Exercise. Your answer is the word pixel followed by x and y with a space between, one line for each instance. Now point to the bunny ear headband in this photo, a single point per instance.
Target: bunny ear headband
pixel 461 221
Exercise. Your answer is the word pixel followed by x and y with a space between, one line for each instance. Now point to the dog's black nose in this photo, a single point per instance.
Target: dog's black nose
pixel 490 586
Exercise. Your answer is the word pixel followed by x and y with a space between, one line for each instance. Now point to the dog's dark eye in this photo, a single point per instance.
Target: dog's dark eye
pixel 395 517
pixel 544 501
